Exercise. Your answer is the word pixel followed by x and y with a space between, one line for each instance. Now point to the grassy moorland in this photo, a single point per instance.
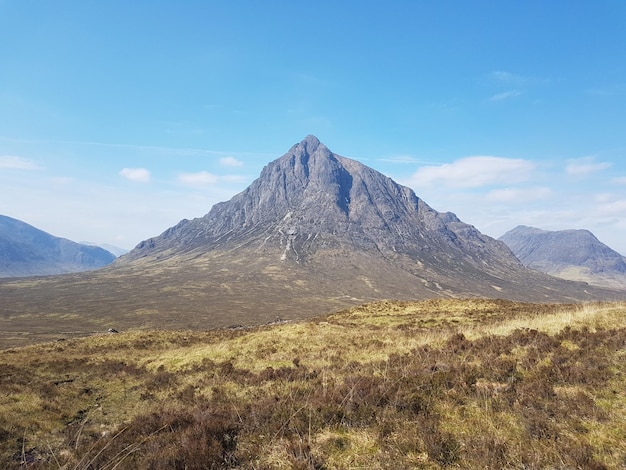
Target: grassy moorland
pixel 433 384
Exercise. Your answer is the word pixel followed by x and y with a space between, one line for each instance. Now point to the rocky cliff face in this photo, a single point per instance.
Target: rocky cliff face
pixel 311 200
pixel 570 254
pixel 28 251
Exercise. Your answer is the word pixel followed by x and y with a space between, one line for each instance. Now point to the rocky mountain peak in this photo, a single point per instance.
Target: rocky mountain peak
pixel 310 201
pixel 307 146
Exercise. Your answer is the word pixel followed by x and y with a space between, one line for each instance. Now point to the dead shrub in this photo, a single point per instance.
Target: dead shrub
pixel 196 438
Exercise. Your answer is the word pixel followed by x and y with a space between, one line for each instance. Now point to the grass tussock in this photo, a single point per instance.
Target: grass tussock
pixel 433 384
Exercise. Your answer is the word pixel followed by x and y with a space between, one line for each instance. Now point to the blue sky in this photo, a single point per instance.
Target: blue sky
pixel 118 119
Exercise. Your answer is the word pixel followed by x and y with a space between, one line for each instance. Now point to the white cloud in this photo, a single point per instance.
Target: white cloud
pixel 202 178
pixel 474 172
pixel 136 174
pixel 10 162
pixel 518 195
pixel 581 167
pixel 230 161
pixel 505 95
pixel 608 205
pixel 619 180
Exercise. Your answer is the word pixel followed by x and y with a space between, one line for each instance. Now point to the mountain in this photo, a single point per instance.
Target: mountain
pixel 570 254
pixel 317 220
pixel 28 251
pixel 316 232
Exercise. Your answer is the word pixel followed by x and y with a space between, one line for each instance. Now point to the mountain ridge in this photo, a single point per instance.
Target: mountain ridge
pixel 574 254
pixel 28 251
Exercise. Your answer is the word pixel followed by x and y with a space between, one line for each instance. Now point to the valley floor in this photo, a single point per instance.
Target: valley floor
pixel 432 384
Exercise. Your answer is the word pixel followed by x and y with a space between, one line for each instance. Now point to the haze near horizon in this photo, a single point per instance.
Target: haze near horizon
pixel 118 120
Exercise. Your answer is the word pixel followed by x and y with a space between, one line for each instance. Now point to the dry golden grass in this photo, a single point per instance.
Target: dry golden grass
pixel 432 384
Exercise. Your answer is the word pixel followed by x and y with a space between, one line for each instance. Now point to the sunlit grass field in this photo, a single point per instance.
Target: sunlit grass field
pixel 431 384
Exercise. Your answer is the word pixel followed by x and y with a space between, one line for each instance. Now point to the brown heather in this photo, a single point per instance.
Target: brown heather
pixel 433 384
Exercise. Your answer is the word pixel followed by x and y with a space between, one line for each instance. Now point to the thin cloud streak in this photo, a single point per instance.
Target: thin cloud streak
pixel 516 80
pixel 10 162
pixel 505 95
pixel 180 151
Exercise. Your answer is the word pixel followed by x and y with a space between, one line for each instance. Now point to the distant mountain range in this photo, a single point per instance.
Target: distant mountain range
pixel 28 251
pixel 570 254
pixel 315 232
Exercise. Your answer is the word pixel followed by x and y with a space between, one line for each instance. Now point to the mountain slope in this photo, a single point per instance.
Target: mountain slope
pixel 315 232
pixel 28 251
pixel 571 254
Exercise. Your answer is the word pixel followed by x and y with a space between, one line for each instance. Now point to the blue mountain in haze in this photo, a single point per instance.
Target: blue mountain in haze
pixel 28 251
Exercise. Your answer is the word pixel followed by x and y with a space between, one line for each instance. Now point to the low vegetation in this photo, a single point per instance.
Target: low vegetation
pixel 433 384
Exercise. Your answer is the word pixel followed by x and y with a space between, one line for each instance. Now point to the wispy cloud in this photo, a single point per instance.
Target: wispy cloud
pixel 505 95
pixel 614 208
pixel 515 80
pixel 618 89
pixel 201 178
pixel 610 204
pixel 10 162
pixel 514 84
pixel 507 77
pixel 619 180
pixel 140 175
pixel 178 151
pixel 518 195
pixel 582 167
pixel 230 161
pixel 474 172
